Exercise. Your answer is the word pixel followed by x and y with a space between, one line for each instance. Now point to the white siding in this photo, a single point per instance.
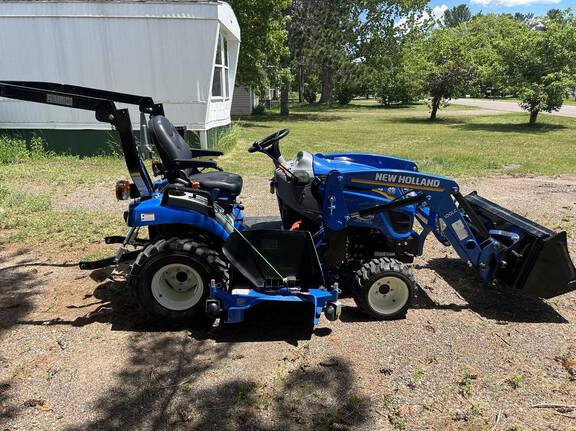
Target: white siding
pixel 243 101
pixel 164 50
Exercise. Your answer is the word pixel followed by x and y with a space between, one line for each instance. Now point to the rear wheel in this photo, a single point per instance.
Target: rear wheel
pixel 384 288
pixel 170 280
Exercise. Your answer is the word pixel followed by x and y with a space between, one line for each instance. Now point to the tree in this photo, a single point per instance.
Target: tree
pixel 380 41
pixel 525 18
pixel 545 95
pixel 331 27
pixel 296 43
pixel 541 64
pixel 443 62
pixel 399 83
pixel 489 33
pixel 555 14
pixel 333 37
pixel 457 15
pixel 263 47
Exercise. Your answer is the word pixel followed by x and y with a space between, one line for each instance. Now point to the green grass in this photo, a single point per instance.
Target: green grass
pixel 465 384
pixel 515 381
pixel 64 173
pixel 456 145
pixel 30 218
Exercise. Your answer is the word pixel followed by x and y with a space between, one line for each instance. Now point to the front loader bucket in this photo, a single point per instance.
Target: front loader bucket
pixel 538 263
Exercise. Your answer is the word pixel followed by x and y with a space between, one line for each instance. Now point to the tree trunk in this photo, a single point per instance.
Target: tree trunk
pixel 327 85
pixel 300 84
pixel 284 94
pixel 435 107
pixel 533 117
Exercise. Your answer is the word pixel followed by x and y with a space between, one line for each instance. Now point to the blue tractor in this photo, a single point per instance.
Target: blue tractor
pixel 346 221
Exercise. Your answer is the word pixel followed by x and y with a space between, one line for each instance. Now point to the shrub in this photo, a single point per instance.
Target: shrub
pixel 38 149
pixel 260 109
pixel 344 93
pixel 395 86
pixel 309 95
pixel 311 87
pixel 12 150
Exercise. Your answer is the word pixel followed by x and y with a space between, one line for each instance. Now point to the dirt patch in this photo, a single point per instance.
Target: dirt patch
pixel 76 355
pixel 96 198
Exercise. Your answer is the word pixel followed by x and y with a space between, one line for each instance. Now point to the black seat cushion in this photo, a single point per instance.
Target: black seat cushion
pixel 228 183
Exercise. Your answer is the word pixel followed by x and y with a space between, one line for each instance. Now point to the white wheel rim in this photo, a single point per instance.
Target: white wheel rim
pixel 177 287
pixel 388 295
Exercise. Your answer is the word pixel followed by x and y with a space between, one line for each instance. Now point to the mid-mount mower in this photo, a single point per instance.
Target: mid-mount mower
pixel 346 222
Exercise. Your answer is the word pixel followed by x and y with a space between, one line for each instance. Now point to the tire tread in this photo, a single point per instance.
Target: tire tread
pixel 373 268
pixel 216 266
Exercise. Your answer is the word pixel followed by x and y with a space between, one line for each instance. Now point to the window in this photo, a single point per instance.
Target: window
pixel 221 81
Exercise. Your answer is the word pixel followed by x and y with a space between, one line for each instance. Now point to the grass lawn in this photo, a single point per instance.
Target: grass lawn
pixel 460 144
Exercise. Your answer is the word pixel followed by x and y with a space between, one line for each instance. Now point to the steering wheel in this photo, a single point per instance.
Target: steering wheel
pixel 268 141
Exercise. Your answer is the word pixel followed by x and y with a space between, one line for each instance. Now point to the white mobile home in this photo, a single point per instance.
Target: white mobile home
pixel 183 54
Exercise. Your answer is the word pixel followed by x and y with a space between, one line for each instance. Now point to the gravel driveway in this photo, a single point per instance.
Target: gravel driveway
pixel 503 106
pixel 76 355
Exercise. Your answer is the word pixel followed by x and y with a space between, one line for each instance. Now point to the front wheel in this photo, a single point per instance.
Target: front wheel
pixel 384 288
pixel 170 280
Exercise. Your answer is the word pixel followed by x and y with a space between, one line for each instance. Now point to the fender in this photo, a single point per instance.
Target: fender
pixel 150 212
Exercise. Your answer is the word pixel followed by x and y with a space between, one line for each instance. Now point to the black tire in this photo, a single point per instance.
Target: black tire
pixel 200 258
pixel 369 277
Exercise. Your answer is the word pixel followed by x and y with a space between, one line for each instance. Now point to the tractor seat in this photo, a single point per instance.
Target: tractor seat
pixel 228 183
pixel 171 146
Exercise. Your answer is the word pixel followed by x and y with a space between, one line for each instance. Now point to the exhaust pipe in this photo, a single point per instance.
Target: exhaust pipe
pixel 537 263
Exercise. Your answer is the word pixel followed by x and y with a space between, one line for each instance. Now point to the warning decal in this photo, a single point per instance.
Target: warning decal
pixel 460 230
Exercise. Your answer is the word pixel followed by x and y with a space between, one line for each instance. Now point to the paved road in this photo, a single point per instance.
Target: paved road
pixel 503 106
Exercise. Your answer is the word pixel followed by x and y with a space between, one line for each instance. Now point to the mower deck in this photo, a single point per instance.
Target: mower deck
pixel 236 303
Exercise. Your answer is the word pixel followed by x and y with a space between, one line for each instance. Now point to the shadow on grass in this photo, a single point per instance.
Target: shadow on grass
pixel 511 127
pixel 323 107
pixel 258 120
pixel 468 124
pixel 488 301
pixel 20 281
pixel 425 120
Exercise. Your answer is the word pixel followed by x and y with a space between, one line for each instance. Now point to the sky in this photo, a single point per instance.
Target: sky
pixel 537 7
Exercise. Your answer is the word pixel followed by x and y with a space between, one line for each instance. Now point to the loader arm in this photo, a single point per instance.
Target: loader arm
pixel 101 102
pixel 500 244
pixel 432 195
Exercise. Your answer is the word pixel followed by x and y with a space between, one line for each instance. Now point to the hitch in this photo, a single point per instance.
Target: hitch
pixel 103 263
pixel 122 255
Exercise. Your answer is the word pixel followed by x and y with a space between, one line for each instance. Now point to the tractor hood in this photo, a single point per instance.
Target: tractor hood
pixel 355 162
